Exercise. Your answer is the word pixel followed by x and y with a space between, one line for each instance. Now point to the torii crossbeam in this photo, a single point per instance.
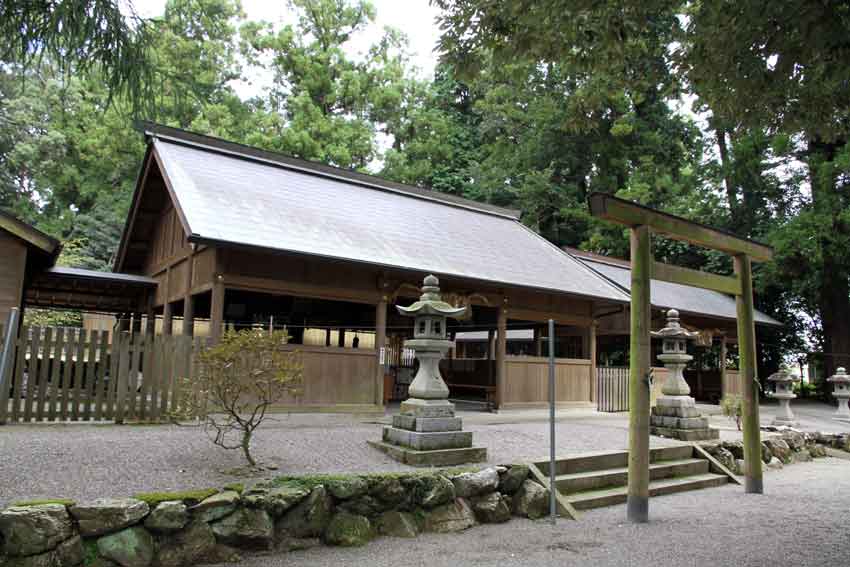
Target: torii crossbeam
pixel 642 222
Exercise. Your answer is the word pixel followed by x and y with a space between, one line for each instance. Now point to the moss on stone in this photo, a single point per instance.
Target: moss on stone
pixel 195 496
pixel 39 502
pixel 90 554
pixel 235 487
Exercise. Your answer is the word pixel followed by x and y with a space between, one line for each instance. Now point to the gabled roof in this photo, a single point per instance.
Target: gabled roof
pixel 229 194
pixel 667 295
pixel 30 235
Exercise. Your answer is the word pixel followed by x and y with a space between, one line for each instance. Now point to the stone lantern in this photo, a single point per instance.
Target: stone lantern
pixel 784 392
pixel 841 382
pixel 426 432
pixel 675 413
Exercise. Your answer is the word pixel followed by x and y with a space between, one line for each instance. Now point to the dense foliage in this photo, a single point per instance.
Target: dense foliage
pixel 733 113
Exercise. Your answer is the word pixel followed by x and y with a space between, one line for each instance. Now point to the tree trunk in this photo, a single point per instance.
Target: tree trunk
pixel 834 292
pixel 731 191
pixel 246 447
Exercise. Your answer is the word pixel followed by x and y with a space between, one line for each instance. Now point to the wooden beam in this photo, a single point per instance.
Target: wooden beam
pixel 695 278
pixel 380 344
pixel 631 214
pixel 29 234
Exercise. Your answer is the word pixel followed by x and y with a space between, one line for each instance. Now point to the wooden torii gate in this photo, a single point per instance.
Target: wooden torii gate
pixel 642 222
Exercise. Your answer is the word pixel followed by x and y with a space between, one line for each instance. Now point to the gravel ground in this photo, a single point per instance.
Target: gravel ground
pixel 800 521
pixel 84 461
pixel 81 461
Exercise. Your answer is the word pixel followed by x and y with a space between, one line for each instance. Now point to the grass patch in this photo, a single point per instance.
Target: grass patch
pixel 63 501
pixel 154 498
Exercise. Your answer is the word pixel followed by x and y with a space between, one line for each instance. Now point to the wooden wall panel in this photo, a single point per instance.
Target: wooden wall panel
pixel 13 261
pixel 168 242
pixel 179 275
pixel 335 377
pixel 527 381
pixel 204 269
pixel 733 386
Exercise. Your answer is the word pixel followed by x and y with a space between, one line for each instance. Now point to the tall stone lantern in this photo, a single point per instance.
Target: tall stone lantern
pixel 784 392
pixel 675 413
pixel 841 383
pixel 426 431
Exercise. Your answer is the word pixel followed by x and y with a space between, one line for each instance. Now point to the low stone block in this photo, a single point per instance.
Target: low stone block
pixel 435 458
pixel 435 490
pixel 452 517
pixel 347 488
pixel 492 508
pixel 691 423
pixel 476 483
pixel 69 552
pixel 397 524
pixel 189 546
pixel 168 516
pixel 686 434
pixel 427 408
pixel 131 547
pixel 348 530
pixel 428 441
pixel 308 518
pixel 216 506
pixel 662 411
pixel 107 515
pixel 531 500
pixel 28 530
pixel 246 527
pixel 675 401
pixel 427 424
pixel 512 479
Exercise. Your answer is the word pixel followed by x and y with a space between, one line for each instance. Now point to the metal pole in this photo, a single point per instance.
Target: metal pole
pixel 6 361
pixel 553 512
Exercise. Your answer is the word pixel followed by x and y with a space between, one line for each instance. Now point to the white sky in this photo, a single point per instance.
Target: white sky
pixel 415 18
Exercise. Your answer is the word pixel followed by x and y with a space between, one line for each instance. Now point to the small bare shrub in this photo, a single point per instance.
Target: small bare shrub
pixel 236 382
pixel 733 408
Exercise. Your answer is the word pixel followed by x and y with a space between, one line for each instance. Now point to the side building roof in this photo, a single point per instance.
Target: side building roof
pixel 230 194
pixel 668 295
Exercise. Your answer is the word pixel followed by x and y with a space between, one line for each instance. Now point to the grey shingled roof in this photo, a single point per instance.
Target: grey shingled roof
pixel 666 295
pixel 230 197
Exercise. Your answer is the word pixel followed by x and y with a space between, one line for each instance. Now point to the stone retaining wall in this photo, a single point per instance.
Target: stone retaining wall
pixel 284 514
pixel 785 448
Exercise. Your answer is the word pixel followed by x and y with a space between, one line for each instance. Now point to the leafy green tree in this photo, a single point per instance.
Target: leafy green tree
pixel 326 105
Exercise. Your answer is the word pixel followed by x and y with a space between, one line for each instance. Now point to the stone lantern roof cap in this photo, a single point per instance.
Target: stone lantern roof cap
pixel 839 376
pixel 674 330
pixel 783 375
pixel 431 302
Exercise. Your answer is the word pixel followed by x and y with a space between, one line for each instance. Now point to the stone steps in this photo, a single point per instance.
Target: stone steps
pixel 617 495
pixel 598 479
pixel 591 480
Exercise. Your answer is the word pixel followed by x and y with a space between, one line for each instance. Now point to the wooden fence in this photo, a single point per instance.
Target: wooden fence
pixel 71 374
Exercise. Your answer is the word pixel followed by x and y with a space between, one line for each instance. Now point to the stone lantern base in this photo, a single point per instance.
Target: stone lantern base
pixel 677 417
pixel 427 433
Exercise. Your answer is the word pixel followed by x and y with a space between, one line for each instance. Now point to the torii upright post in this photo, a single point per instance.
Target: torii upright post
pixel 637 505
pixel 643 221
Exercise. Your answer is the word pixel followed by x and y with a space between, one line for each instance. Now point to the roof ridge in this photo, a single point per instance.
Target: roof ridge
pixel 253 153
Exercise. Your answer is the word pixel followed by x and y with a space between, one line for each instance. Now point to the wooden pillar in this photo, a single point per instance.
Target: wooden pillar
pixel 501 351
pixel 327 337
pixel 753 482
pixel 637 505
pixel 167 318
pixel 189 300
pixel 722 365
pixel 538 346
pixel 189 316
pixel 491 344
pixel 592 348
pixel 380 340
pixel 340 342
pixel 217 309
pixel 150 323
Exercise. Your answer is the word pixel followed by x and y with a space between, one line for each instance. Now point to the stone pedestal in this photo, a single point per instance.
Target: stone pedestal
pixel 675 413
pixel 677 417
pixel 427 433
pixel 841 381
pixel 785 416
pixel 783 383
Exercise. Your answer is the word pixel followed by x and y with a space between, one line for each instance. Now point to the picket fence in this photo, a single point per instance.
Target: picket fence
pixel 71 374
